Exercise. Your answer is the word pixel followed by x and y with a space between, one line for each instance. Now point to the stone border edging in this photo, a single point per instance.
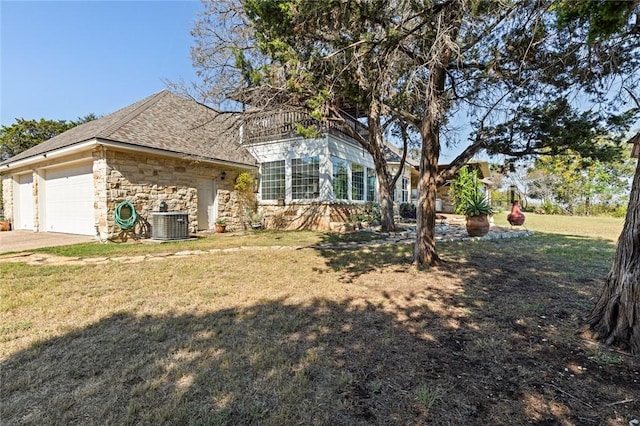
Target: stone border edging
pixel 402 237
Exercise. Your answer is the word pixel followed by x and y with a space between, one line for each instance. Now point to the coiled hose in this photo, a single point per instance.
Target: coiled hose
pixel 128 223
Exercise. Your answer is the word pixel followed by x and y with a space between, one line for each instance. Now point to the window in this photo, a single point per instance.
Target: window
pixel 305 174
pixel 340 178
pixel 405 190
pixel 273 180
pixel 371 185
pixel 357 182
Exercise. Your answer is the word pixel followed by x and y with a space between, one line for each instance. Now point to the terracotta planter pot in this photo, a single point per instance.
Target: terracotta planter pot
pixel 516 217
pixel 477 226
pixel 4 225
pixel 220 228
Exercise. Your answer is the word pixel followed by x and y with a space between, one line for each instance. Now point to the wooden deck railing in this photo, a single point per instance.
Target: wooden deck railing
pixel 264 126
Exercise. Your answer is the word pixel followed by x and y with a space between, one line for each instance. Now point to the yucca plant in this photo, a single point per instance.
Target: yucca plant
pixel 475 203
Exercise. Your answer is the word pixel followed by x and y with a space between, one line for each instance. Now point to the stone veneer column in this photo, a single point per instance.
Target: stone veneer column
pixel 100 173
pixel 7 197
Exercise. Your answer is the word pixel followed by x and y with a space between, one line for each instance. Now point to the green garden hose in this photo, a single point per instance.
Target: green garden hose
pixel 125 223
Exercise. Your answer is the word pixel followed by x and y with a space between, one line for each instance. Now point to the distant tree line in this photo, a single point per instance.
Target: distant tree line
pixel 568 184
pixel 24 134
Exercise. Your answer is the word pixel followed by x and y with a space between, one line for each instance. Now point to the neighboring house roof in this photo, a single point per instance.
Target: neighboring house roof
pixel 164 121
pixel 393 155
pixel 481 166
pixel 635 150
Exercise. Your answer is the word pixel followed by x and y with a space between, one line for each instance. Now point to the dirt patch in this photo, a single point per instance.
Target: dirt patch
pixel 507 349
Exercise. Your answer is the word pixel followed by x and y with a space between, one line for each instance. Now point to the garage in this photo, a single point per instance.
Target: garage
pixel 69 200
pixel 23 213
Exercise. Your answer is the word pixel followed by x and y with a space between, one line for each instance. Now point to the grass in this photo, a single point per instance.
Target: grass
pixel 208 242
pixel 204 242
pixel 592 227
pixel 427 396
pixel 311 335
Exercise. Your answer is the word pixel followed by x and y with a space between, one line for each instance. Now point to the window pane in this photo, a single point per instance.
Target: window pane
pixel 357 181
pixel 340 178
pixel 305 177
pixel 371 185
pixel 273 180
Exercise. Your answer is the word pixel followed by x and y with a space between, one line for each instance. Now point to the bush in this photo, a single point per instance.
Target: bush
pixel 474 204
pixel 407 211
pixel 619 211
pixel 547 207
pixel 465 185
pixel 370 213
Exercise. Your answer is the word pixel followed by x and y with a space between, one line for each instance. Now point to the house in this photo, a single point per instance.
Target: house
pixel 317 182
pixel 635 149
pixel 162 148
pixel 406 190
pixel 167 149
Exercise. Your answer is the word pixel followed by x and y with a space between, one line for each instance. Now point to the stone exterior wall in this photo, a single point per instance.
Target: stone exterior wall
pixel 231 210
pixel 100 184
pixel 319 216
pixel 145 181
pixel 447 202
pixel 7 198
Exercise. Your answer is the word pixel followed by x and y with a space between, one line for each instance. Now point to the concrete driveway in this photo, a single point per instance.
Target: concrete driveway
pixel 28 240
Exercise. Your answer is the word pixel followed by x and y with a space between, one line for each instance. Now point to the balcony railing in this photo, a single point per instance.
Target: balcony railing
pixel 266 126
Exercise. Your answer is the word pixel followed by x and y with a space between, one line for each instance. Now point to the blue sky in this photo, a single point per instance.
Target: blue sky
pixel 61 60
pixel 65 59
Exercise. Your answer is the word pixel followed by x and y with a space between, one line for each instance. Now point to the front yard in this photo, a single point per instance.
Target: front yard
pixel 318 336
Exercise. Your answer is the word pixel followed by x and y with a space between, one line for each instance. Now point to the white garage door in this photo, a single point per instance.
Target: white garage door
pixel 23 210
pixel 69 205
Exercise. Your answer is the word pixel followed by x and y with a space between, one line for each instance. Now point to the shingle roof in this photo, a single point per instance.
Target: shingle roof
pixel 164 121
pixel 393 154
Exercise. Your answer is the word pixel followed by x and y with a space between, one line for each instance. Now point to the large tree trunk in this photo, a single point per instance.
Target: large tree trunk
pixel 615 319
pixel 385 182
pixel 425 248
pixel 387 223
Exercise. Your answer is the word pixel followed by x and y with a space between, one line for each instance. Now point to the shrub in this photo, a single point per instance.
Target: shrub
pixel 369 213
pixel 407 211
pixel 619 211
pixel 547 207
pixel 475 204
pixel 465 185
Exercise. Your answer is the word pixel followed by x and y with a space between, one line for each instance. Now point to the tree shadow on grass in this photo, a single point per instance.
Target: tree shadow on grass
pixel 467 343
pixel 520 307
pixel 354 261
pixel 273 363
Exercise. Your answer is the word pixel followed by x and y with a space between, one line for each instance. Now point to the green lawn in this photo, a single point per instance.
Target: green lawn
pixel 607 228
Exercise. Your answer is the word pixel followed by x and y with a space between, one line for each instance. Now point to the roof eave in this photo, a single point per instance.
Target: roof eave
pixel 174 154
pixel 90 144
pixel 70 149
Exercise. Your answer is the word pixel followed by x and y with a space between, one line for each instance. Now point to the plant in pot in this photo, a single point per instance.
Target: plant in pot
pixel 476 208
pixel 255 218
pixel 221 225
